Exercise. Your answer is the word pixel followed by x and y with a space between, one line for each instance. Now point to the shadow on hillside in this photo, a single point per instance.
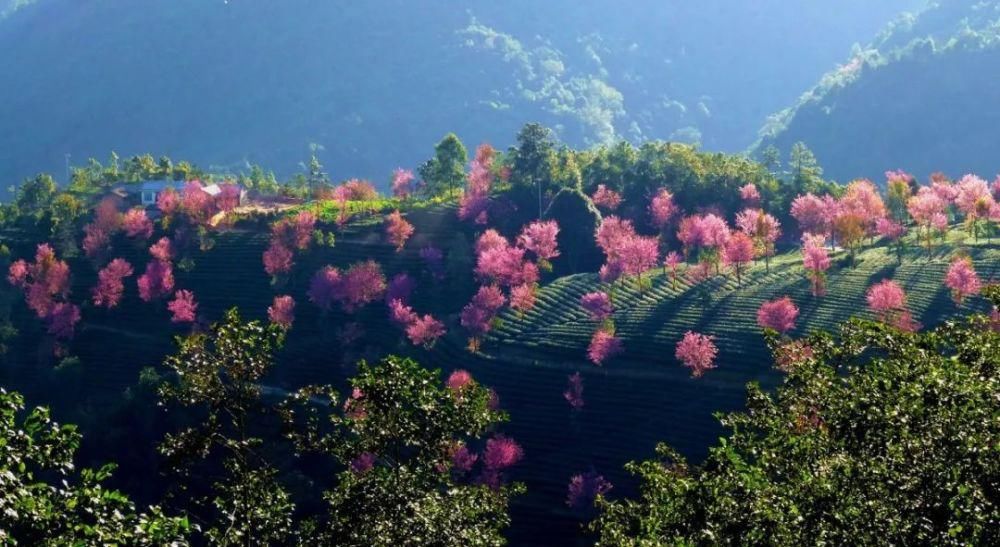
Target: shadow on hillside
pixel 666 310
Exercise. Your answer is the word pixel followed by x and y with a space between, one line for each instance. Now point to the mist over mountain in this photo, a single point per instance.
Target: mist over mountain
pixel 225 83
pixel 921 96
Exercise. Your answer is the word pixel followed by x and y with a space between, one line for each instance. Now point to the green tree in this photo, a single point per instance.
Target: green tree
pixel 64 212
pixel 218 378
pixel 770 158
pixel 578 219
pixel 445 172
pixel 264 182
pixel 533 160
pixel 43 501
pixel 35 195
pixel 112 171
pixel 876 437
pixel 138 168
pixel 409 422
pixel 400 414
pixel 805 169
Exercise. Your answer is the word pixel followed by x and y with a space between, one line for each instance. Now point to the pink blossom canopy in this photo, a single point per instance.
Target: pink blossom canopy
pixel 778 314
pixel 697 352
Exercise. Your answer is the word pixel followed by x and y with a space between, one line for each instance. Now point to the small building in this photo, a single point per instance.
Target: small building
pixel 143 193
pixel 150 191
pixel 215 190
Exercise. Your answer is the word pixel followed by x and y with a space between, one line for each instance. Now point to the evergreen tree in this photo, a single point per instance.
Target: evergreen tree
pixel 445 172
pixel 770 158
pixel 805 169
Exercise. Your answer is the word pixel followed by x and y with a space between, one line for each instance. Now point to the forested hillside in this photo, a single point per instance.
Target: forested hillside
pixel 225 83
pixel 920 95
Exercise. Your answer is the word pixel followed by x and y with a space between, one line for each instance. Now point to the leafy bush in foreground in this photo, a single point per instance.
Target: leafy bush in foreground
pixel 879 437
pixel 41 503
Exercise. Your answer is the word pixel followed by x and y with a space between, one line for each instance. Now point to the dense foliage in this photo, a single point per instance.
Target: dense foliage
pixel 391 445
pixel 875 436
pixel 44 500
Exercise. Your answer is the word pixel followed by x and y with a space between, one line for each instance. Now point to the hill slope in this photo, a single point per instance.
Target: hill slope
pixel 631 402
pixel 224 83
pixel 921 95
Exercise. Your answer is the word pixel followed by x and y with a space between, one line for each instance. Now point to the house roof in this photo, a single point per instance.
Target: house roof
pixel 155 185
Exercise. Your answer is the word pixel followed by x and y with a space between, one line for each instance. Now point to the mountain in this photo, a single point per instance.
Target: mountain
pixel 227 82
pixel 921 96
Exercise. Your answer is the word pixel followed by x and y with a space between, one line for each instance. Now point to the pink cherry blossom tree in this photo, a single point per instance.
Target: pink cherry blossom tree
pixel 976 202
pixel 862 199
pixel 606 198
pixel 197 204
pixel 816 262
pixel 738 252
pixel 397 229
pixel 962 279
pixel 574 391
pixel 892 232
pixel 62 320
pixel 157 281
pixel 670 265
pixel 888 301
pixel 597 305
pixel 106 223
pixel 477 316
pixel 778 315
pixel 763 228
pixel 707 233
pixel 459 380
pixel 110 288
pixel 929 211
pixel 162 250
pixel 540 238
pixel 400 288
pixel 662 208
pixel 44 282
pixel 813 214
pixel 424 331
pixel 401 314
pixel 363 282
pixel 523 297
pixel 490 239
pixel 282 311
pixel 636 255
pixel 475 201
pixel 584 489
pixel 604 345
pixel 697 352
pixel 294 232
pixel 611 232
pixel 501 453
pixel 277 260
pixel 168 201
pixel 750 195
pixel 402 183
pixel 183 307
pixel 228 198
pixel 137 225
pixel 506 266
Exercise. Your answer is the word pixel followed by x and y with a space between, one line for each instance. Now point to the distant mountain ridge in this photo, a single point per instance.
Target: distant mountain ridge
pixel 922 95
pixel 227 83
